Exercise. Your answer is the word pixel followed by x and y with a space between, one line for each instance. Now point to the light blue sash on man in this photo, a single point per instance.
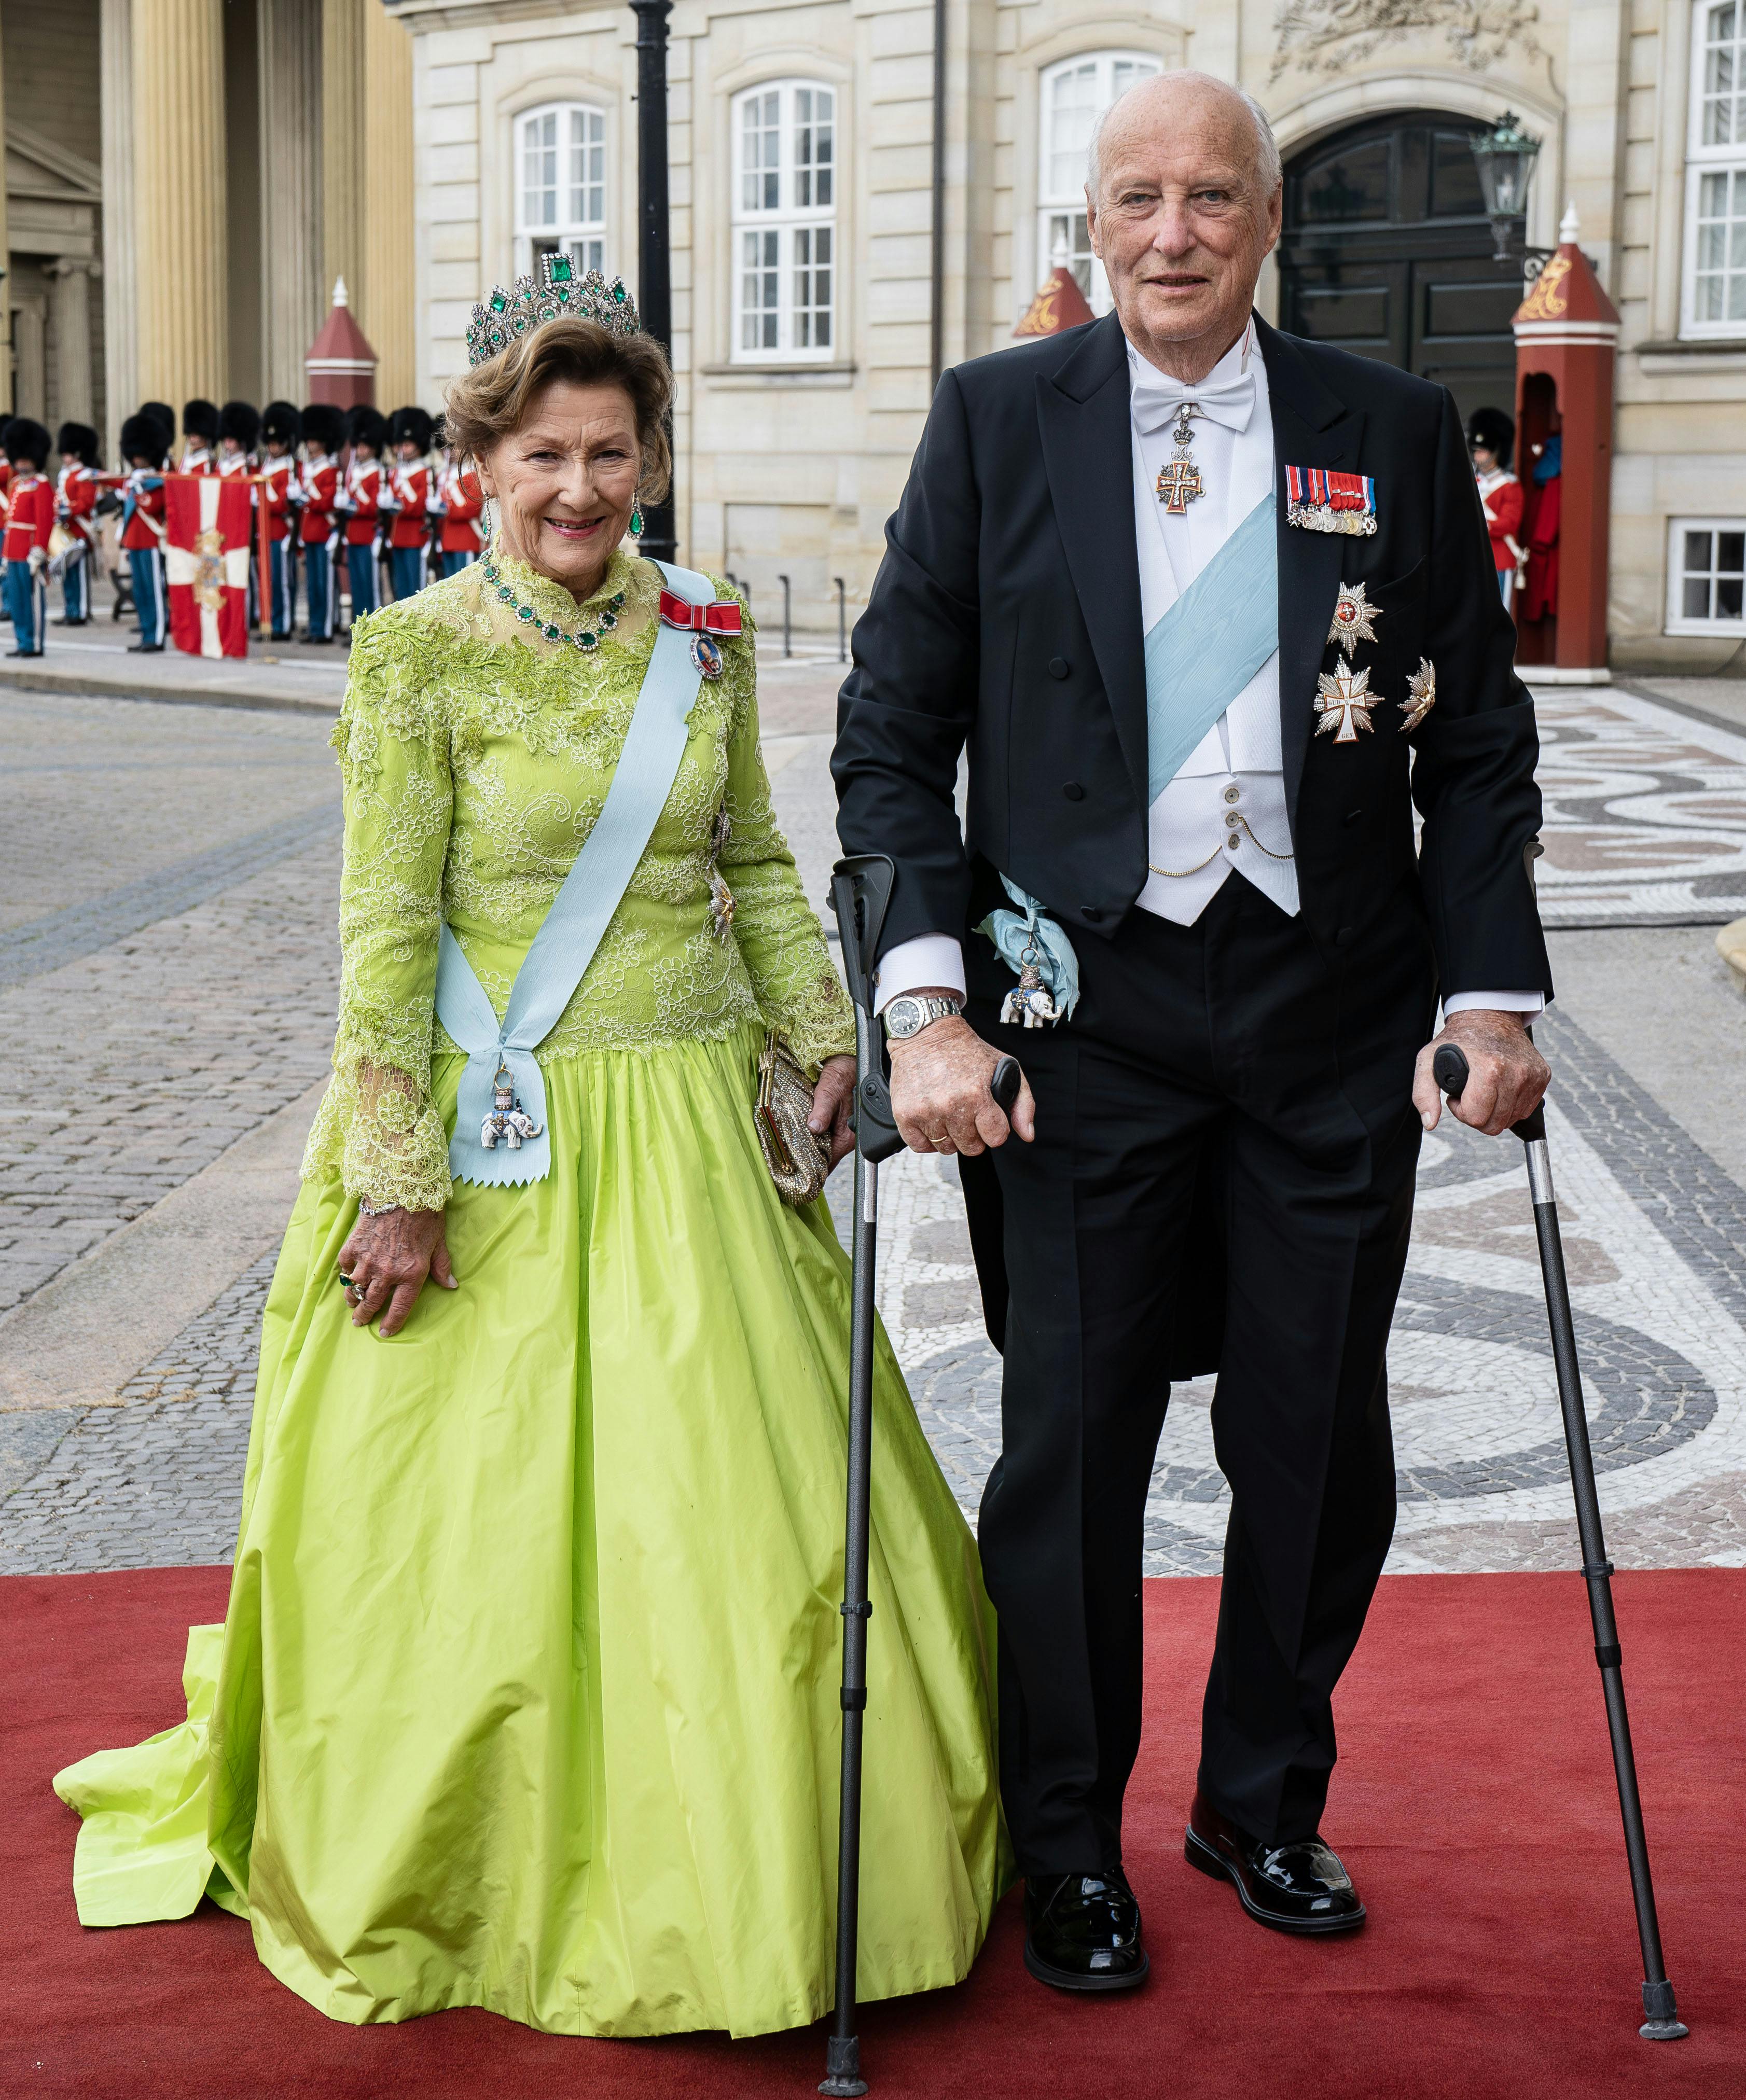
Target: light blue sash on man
pixel 1199 657
pixel 561 951
pixel 1211 643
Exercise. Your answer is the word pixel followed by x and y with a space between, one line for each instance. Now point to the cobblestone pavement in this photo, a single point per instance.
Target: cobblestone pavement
pixel 158 1040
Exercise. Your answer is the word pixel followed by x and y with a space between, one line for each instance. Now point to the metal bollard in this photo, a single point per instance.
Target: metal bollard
pixel 842 621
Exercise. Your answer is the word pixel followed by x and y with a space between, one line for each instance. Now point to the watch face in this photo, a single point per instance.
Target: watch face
pixel 903 1017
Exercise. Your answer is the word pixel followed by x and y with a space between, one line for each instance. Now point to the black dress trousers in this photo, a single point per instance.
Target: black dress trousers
pixel 1237 1043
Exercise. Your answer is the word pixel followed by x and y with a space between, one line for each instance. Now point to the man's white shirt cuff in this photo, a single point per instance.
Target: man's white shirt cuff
pixel 1529 1003
pixel 929 959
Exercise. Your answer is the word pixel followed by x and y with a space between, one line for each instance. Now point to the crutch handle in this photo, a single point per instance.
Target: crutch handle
pixel 1004 1083
pixel 1448 1068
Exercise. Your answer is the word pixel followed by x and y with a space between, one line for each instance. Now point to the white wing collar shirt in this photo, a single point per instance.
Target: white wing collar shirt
pixel 1224 813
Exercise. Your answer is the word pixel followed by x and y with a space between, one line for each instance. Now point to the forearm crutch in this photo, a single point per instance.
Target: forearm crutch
pixel 860 891
pixel 1661 2020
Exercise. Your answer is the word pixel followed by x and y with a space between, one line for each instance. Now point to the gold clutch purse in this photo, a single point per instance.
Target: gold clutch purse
pixel 797 1161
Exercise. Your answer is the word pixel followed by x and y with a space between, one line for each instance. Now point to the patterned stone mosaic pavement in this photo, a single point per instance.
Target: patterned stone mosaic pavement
pixel 167 1051
pixel 1645 812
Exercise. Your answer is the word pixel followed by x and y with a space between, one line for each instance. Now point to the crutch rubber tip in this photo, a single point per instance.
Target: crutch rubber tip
pixel 843 2067
pixel 1662 2022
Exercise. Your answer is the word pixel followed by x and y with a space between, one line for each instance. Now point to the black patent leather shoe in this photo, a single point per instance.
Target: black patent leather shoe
pixel 1300 1888
pixel 1082 1931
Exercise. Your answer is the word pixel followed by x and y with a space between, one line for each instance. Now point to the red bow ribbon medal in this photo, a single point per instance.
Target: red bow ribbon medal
pixel 703 623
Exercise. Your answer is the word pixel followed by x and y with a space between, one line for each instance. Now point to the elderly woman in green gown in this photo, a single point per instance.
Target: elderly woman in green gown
pixel 526 1695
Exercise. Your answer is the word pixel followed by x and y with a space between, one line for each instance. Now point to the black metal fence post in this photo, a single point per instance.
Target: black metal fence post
pixel 788 598
pixel 654 250
pixel 843 620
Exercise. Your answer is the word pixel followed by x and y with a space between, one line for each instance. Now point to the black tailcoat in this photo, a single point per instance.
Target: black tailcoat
pixel 1259 1062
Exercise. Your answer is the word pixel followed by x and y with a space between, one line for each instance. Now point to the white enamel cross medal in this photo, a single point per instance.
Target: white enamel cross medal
pixel 1353 615
pixel 1344 700
pixel 1179 482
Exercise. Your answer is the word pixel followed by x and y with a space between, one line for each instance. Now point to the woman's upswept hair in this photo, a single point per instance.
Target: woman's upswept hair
pixel 492 401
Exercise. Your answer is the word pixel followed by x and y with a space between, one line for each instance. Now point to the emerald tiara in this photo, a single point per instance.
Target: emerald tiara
pixel 506 316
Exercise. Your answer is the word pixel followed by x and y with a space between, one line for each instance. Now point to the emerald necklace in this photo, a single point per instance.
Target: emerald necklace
pixel 584 637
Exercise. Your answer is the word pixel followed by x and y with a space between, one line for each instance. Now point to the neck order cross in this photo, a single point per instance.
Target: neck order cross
pixel 1179 483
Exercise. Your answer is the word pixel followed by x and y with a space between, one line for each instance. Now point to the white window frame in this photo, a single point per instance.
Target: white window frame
pixel 583 236
pixel 1068 198
pixel 797 236
pixel 1702 160
pixel 1677 620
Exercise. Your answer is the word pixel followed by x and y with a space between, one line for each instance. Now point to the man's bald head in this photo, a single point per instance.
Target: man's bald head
pixel 1175 97
pixel 1183 207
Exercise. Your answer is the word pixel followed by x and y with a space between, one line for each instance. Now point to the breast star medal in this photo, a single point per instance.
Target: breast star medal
pixel 1179 482
pixel 1421 690
pixel 1343 701
pixel 1353 615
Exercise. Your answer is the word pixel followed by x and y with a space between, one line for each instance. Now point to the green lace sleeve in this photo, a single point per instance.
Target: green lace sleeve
pixel 777 931
pixel 377 1124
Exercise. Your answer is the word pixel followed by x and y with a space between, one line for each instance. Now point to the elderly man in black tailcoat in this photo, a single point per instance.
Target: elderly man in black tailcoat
pixel 1211 608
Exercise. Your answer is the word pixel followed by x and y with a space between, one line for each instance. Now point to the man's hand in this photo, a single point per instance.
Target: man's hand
pixel 385 1262
pixel 940 1091
pixel 1506 1074
pixel 834 1106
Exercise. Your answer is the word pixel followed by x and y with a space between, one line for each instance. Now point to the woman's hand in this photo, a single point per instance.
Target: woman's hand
pixel 385 1262
pixel 833 1106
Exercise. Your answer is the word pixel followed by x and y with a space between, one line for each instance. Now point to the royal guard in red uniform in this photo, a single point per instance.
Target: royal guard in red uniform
pixel 324 432
pixel 239 433
pixel 144 445
pixel 360 499
pixel 461 537
pixel 409 535
pixel 1490 435
pixel 281 433
pixel 75 492
pixel 30 518
pixel 200 437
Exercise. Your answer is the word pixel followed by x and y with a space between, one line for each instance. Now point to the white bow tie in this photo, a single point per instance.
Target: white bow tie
pixel 1157 400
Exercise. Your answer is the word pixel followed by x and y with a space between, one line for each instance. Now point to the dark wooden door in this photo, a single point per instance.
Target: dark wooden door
pixel 1387 252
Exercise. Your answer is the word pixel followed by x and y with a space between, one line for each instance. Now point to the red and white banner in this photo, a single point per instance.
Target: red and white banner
pixel 206 563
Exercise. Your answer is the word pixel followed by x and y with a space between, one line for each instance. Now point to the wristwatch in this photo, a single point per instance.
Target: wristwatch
pixel 911 1011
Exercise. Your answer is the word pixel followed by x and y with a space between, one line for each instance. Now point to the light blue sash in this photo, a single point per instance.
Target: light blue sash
pixel 562 950
pixel 1036 936
pixel 1210 643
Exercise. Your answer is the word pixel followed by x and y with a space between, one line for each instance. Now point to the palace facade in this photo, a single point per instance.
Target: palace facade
pixel 186 178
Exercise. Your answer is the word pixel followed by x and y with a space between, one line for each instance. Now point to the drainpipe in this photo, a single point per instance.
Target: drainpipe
pixel 937 311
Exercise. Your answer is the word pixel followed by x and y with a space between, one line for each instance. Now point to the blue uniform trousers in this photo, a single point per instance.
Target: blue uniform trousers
pixel 146 566
pixel 361 562
pixel 75 583
pixel 283 587
pixel 406 565
pixel 27 605
pixel 454 560
pixel 318 586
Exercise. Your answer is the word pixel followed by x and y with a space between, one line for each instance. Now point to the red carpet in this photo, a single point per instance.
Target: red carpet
pixel 1474 1805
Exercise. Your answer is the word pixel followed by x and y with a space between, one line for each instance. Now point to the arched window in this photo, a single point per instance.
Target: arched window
pixel 1715 300
pixel 785 222
pixel 560 185
pixel 1075 94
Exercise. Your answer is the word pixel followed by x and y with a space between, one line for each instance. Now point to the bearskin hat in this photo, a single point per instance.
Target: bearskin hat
pixel 413 426
pixel 143 438
pixel 281 424
pixel 165 416
pixel 27 440
pixel 323 425
pixel 368 426
pixel 240 419
pixel 76 441
pixel 1492 428
pixel 199 419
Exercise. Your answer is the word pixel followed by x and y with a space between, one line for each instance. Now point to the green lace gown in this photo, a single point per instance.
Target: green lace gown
pixel 526 1695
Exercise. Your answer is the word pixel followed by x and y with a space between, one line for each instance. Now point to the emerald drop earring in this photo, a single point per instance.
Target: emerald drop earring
pixel 636 519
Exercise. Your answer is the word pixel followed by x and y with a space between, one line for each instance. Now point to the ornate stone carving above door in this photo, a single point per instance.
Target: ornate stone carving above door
pixel 1331 36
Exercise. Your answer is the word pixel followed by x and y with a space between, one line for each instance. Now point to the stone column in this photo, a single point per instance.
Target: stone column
pixel 7 402
pixel 120 340
pixel 385 298
pixel 70 303
pixel 344 200
pixel 293 296
pixel 178 193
